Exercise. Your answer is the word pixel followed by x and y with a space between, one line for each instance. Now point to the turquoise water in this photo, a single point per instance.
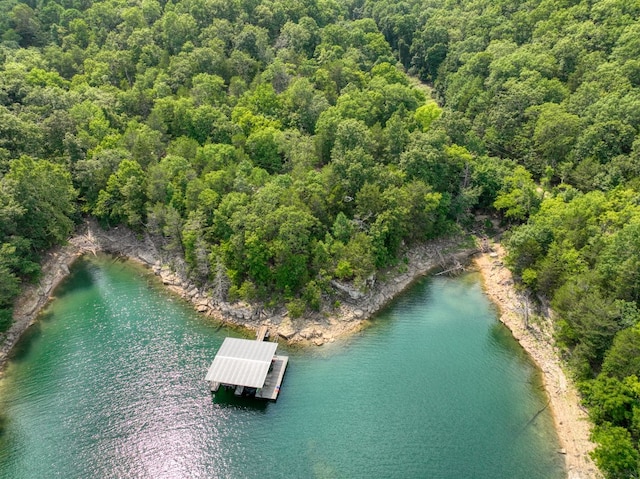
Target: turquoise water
pixel 109 383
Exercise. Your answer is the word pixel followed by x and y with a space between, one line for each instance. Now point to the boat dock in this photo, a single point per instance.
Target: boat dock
pixel 273 381
pixel 249 367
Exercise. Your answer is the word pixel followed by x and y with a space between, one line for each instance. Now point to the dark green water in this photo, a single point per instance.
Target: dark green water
pixel 110 384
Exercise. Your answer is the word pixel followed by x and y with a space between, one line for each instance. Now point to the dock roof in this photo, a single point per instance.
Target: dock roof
pixel 242 362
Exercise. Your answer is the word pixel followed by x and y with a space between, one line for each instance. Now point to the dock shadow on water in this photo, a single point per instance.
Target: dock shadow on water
pixel 227 399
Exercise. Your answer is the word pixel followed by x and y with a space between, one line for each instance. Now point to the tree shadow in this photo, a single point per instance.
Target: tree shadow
pixel 79 278
pixel 22 348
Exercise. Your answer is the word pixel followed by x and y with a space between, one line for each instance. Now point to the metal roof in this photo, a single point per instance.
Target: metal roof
pixel 242 362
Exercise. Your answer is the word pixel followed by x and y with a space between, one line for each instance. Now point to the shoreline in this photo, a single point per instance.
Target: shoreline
pixel 326 326
pixel 55 265
pixel 571 421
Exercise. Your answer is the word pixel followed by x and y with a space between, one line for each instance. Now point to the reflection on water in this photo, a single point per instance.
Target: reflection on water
pixel 111 384
pixel 21 350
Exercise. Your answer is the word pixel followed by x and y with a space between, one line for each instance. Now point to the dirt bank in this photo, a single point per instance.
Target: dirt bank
pixel 335 320
pixel 571 421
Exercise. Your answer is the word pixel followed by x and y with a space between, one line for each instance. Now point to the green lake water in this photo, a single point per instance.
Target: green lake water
pixel 109 384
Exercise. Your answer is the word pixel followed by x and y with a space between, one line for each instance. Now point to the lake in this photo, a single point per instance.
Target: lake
pixel 110 383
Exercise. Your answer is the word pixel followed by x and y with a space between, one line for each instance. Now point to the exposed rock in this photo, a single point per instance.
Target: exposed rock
pixel 202 301
pixel 172 271
pixel 310 333
pixel 286 332
pixel 348 290
pixel 175 289
pixel 246 313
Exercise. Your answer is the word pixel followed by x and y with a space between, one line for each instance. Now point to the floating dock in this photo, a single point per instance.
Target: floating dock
pixel 271 387
pixel 249 367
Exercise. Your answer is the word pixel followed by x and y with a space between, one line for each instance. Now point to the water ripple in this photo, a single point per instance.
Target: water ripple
pixel 111 385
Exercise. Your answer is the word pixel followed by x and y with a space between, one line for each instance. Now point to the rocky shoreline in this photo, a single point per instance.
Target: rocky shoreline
pixel 571 421
pixel 332 323
pixel 317 328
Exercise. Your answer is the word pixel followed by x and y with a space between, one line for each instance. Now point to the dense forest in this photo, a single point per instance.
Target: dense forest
pixel 279 145
pixel 276 147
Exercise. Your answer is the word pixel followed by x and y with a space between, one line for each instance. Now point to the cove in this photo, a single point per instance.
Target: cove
pixel 110 383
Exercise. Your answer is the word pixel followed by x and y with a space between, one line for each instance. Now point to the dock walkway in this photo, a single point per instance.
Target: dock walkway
pixel 262 333
pixel 272 383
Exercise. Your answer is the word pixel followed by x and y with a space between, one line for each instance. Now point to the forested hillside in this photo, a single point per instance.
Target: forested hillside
pixel 551 84
pixel 554 86
pixel 278 145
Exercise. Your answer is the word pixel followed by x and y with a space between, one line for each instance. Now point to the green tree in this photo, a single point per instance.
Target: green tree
pixel 588 324
pixel 26 25
pixel 623 358
pixel 263 149
pixel 615 454
pixel 426 114
pixel 45 192
pixel 518 196
pixel 555 133
pixel 123 200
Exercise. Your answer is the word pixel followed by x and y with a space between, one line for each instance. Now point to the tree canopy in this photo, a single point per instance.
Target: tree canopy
pixel 277 146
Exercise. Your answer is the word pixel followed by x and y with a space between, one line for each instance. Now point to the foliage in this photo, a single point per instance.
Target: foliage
pixel 518 197
pixel 615 454
pixel 274 148
pixel 553 87
pixel 581 252
pixel 296 308
pixel 277 146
